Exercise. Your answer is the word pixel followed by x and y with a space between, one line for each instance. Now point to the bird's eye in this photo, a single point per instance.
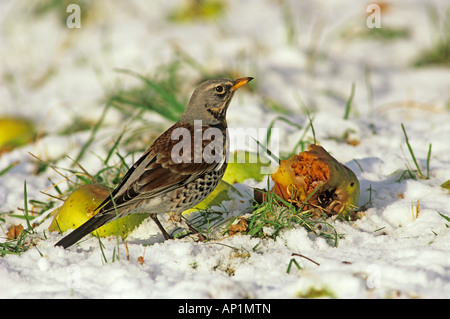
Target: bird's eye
pixel 220 89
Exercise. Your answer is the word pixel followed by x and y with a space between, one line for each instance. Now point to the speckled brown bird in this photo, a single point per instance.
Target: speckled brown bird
pixel 180 169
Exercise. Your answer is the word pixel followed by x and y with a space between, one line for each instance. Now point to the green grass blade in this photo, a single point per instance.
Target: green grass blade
pixel 348 106
pixel 412 152
pixel 428 161
pixel 25 209
pixel 293 261
pixel 8 168
pixel 445 217
pixel 93 134
pixel 111 151
pixel 312 128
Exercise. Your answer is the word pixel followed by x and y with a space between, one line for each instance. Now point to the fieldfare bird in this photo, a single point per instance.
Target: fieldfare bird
pixel 181 167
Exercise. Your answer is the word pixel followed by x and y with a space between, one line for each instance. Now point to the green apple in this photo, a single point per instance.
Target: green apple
pixel 244 165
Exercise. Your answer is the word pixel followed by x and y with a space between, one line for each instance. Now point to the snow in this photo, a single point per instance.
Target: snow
pixel 51 74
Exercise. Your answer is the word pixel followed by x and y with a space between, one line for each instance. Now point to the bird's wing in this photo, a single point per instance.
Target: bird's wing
pixel 154 174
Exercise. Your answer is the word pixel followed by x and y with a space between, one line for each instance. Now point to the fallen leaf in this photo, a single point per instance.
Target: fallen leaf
pixel 14 231
pixel 240 227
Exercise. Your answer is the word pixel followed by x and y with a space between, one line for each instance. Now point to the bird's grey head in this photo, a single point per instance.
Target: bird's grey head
pixel 210 100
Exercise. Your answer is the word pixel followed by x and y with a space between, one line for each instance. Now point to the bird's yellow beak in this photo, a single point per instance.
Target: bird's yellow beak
pixel 240 82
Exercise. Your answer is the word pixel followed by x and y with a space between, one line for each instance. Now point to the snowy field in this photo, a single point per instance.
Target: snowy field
pixel 304 56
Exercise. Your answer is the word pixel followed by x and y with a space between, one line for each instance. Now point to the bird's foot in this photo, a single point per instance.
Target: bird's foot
pixel 161 228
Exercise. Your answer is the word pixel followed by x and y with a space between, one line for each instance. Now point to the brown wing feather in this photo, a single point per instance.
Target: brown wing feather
pixel 154 174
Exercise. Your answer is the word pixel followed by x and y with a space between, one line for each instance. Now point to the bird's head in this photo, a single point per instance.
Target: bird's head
pixel 210 100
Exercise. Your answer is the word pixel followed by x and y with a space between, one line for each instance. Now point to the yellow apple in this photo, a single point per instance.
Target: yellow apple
pixel 15 131
pixel 80 206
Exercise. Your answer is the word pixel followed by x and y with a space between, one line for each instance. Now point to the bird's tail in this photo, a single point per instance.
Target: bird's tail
pixel 92 224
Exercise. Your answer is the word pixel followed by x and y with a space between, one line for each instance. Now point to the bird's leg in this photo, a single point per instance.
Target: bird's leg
pixel 193 230
pixel 161 228
pixel 177 218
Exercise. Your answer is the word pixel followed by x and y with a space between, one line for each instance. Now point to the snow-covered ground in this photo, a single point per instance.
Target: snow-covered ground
pixel 398 249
